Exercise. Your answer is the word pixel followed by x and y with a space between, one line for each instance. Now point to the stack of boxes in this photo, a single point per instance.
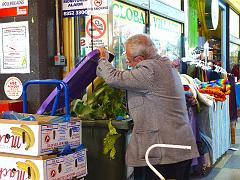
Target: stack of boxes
pixel 30 150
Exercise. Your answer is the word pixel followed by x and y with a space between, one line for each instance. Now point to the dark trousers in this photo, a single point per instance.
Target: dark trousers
pixel 178 171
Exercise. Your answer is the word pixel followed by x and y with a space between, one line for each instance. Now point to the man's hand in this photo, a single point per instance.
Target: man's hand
pixel 103 53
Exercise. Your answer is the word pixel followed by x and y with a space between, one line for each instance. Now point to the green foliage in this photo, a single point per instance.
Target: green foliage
pixel 104 103
pixel 193 23
pixel 110 140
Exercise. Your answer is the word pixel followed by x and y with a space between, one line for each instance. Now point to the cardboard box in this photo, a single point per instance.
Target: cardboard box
pixel 47 167
pixel 39 137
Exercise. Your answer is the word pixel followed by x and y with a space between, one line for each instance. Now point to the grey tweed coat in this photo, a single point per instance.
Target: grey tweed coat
pixel 157 105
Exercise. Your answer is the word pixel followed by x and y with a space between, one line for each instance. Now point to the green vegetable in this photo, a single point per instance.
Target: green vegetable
pixel 103 103
pixel 110 140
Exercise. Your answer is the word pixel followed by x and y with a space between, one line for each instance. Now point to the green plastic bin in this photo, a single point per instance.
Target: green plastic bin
pixel 100 167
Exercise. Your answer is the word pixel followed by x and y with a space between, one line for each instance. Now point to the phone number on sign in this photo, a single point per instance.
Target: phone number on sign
pixel 75 13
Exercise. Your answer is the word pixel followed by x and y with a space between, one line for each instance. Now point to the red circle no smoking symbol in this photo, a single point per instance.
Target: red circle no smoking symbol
pixel 97 28
pixel 47 138
pixel 53 173
pixel 98 3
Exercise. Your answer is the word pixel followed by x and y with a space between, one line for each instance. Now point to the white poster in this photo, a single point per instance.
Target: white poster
pixel 84 7
pixel 13 88
pixel 14 48
pixel 96 32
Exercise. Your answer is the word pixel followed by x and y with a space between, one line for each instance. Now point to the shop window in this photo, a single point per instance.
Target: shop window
pixel 127 21
pixel 166 35
pixel 234 55
pixel 141 3
pixel 174 3
pixel 212 39
pixel 234 24
pixel 215 52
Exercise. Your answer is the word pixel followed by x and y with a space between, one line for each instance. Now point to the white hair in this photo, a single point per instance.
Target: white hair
pixel 141 44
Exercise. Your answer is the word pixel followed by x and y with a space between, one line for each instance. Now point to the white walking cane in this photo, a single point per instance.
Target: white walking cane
pixel 165 146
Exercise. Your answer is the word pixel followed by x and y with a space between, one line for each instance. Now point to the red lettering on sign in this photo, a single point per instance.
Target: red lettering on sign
pixel 82 42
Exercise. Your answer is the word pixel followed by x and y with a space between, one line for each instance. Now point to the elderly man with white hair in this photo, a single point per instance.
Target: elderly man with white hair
pixel 157 105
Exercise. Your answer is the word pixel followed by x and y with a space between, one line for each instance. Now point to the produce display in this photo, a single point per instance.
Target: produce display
pixel 102 102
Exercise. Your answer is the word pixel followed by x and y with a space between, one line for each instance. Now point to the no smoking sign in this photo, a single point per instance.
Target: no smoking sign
pixel 96 27
pixel 13 88
pixel 97 3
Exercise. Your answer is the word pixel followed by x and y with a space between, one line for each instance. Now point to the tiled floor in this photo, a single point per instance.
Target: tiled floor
pixel 228 167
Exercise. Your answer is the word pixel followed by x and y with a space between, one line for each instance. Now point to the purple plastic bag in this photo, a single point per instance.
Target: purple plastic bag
pixel 77 80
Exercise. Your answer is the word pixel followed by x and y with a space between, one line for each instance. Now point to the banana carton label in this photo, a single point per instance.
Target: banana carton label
pixel 36 139
pixel 20 169
pixel 64 167
pixel 55 136
pixel 19 139
pixel 67 167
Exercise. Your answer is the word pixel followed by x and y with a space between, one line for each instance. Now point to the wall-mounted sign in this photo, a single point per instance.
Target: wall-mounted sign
pixel 13 8
pixel 97 32
pixel 128 13
pixel 211 13
pixel 160 23
pixel 14 48
pixel 96 27
pixel 13 88
pixel 84 8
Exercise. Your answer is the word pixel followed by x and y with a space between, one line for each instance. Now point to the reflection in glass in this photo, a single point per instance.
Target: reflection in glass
pixel 234 55
pixel 173 3
pixel 166 35
pixel 234 24
pixel 142 3
pixel 127 21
